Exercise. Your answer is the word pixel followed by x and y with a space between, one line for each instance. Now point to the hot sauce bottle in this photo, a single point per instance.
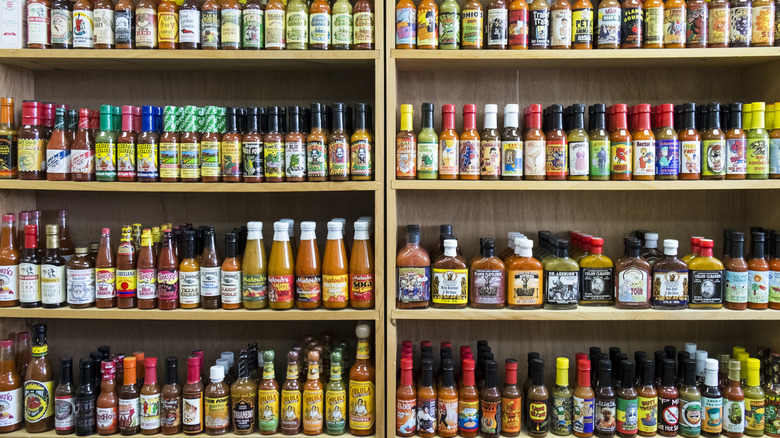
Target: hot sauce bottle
pixel 64 400
pixel 362 378
pixel 524 277
pixel 168 25
pixel 490 403
pixel 188 20
pixel 607 25
pixel 243 397
pixel 561 412
pixel 674 22
pixel 268 397
pixel 468 403
pixel 126 147
pixel 105 272
pixel 60 23
pixel 280 269
pixel 631 25
pixel 230 275
pixel 147 148
pixel 510 403
pixel 406 401
pixel 291 398
pixel 496 25
pixel 511 145
pixel 192 399
pixel 758 275
pixel 170 400
pixel 596 272
pixel 146 273
pixel 57 150
pixel 578 144
pixel 170 167
pixel 488 279
pixel 31 143
pixel 53 279
pixel 670 279
pixel 557 147
pixel 718 24
pixel 105 146
pixel 319 25
pixel 643 145
pixel 427 21
pixel 706 276
pixel 690 144
pixel 210 150
pixel 361 145
pixel 733 403
pixel 231 148
pixel 255 269
pixel 413 274
pixel 755 402
pixel 126 272
pixel 632 278
pixel 449 147
pixel 30 270
pixel 81 280
pixel 273 151
pixel 9 140
pixel 534 152
pixel 129 402
pixel 696 29
pixel 598 139
pixel 210 25
pixel 107 401
pixel 83 25
pixel 741 23
pixel 426 401
pixel 667 145
pixel 647 401
pixel 668 401
pixel 627 403
pixel 583 401
pixel 216 412
pixel 427 146
pixel 472 36
pixel 209 273
pixel 189 274
pixel 561 279
pixel 124 24
pixel 560 24
pixel 620 144
pixel 168 275
pixel 39 386
pixel 490 145
pixel 450 278
pixel 713 145
pixel 83 150
pixel 338 146
pixel 736 273
pixel 150 399
pixel 538 400
pixel 517 25
pixel 9 264
pixel 313 397
pixel 469 167
pixel 539 25
pixel 757 144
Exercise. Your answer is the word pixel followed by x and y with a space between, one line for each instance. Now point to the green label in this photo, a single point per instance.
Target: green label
pixel 342 29
pixel 771 410
pixel 599 157
pixel 690 417
pixel 449 29
pixel 714 157
pixel 560 421
pixel 254 287
pixel 252 28
pixel 755 412
pixel 427 160
pixel 626 415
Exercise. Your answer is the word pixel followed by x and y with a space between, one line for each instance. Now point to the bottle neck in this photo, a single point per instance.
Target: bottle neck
pixel 150 377
pixel 491 120
pixel 583 378
pixel 448 121
pixel 757 249
pixel 469 121
pixel 66 375
pixel 406 377
pixel 193 374
pixel 711 377
pixel 713 120
pixel 620 120
pixel 562 376
pixel 85 376
pixel 598 120
pixel 427 119
pixel 643 121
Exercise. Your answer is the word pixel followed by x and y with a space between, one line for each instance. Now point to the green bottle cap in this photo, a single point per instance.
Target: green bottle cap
pixel 60 114
pixel 169 121
pixel 106 120
pixel 115 110
pixel 105 109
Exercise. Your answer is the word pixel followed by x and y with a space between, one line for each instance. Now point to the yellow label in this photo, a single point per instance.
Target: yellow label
pixel 450 286
pixel 189 160
pixel 427 20
pixel 169 160
pixel 216 412
pixel 147 160
pixel 105 157
pixel 524 287
pixel 335 408
pixel 312 410
pixel 648 414
pixel 335 288
pixel 168 27
pixel 38 400
pixel 291 408
pixel 209 158
pixel 125 158
pixel 361 405
pixel 273 155
pixel 268 409
pixel 31 155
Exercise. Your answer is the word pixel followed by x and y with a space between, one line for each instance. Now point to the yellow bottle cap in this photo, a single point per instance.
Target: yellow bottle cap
pixel 757 106
pixel 407 108
pixel 753 367
pixel 562 371
pixel 736 350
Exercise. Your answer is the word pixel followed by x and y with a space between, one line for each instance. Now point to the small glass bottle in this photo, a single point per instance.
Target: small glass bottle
pixel 561 279
pixel 670 279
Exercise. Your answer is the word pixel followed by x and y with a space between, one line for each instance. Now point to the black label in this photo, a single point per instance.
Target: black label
pixel 86 409
pixel 631 26
pixel 596 284
pixel 706 287
pixel 540 29
pixel 243 415
pixel 668 414
pixel 7 153
pixel 124 27
pixel 561 287
pixel 253 159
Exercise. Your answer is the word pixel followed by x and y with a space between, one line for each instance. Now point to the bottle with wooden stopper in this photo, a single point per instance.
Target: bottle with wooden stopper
pixel 216 410
pixel 313 397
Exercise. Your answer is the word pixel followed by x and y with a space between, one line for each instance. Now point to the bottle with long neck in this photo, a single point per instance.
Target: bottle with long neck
pixel 39 385
pixel 64 399
pixel 9 264
pixel 255 268
pixel 335 268
pixel 168 274
pixel 8 137
pixel 192 398
pixel 268 397
pixel 335 398
pixel 243 397
pixel 712 400
pixel 105 272
pixel 30 270
pixel 146 273
pixel 308 269
pixel 126 256
pixel 86 398
pixel 53 279
pixel 361 269
pixel 280 269
pixel 108 401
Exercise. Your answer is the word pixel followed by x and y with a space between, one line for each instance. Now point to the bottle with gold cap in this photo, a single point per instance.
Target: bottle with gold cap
pixel 757 144
pixel 773 126
pixel 755 408
pixel 8 165
pixel 561 403
pixel 406 145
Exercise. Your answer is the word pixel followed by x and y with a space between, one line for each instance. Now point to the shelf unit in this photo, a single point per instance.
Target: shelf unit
pixel 52 434
pixel 611 209
pixel 89 78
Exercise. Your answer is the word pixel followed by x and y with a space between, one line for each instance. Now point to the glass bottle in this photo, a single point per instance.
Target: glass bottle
pixel 712 401
pixel 713 145
pixel 627 403
pixel 108 400
pixel 670 279
pixel 706 279
pixel 53 278
pixel 538 399
pixel 758 285
pixel 216 412
pixel 561 279
pixel 230 275
pixel 596 272
pixel 561 409
pixel 64 399
pixel 450 278
pixel 11 384
pixel 192 398
pixel 413 274
pixel 85 400
pixel 210 273
pixel 632 278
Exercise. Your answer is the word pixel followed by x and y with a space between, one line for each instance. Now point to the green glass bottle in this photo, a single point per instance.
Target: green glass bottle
pixel 562 410
pixel 105 146
pixel 449 25
pixel 335 397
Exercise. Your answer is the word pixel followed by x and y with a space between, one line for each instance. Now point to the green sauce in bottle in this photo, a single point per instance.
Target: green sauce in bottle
pixel 755 404
pixel 427 146
pixel 561 407
pixel 335 398
pixel 105 146
pixel 757 144
pixel 690 402
pixel 449 25
pixel 561 279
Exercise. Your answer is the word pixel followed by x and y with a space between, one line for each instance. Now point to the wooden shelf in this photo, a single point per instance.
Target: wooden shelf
pixel 596 314
pixel 584 185
pixel 161 187
pixel 136 59
pixel 52 434
pixel 591 59
pixel 193 314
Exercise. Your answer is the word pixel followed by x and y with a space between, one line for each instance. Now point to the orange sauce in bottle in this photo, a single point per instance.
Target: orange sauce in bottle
pixel 313 397
pixel 469 144
pixel 335 269
pixel 146 273
pixel 413 272
pixel 230 278
pixel 9 263
pixel 643 145
pixel 209 273
pixel 126 272
pixel 308 270
pixel 524 277
pixel 189 274
pixel 361 269
pixel 448 144
pixel 690 144
pixel 11 386
pixel 362 394
pixel 280 270
pixel 534 145
pixel 620 145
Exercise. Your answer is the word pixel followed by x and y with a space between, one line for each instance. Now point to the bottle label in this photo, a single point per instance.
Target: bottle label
pixel 361 287
pixel 468 415
pixel 609 25
pixel 448 150
pixel 668 414
pixel 668 157
pixel 147 161
pixel 490 420
pixel 633 286
pixel 125 159
pixel 414 284
pixel 771 409
pixel 578 158
pixel 596 284
pixel 231 27
pixel 106 418
pixel 560 27
pixel 280 288
pixel 210 161
pixel 644 157
pixel 124 26
pixel 29 283
pixel 210 281
pixel 427 160
pixel 61 26
pixel 57 161
pixel 561 413
pixel 582 26
pixel 740 26
pixel 690 417
pixel 513 158
pixel 312 410
pixel 38 402
pixel 605 416
pixel 308 289
pixel 244 412
pixel 450 286
pixel 534 157
pixel 510 415
pixel 491 158
pixel 168 284
pixel 192 413
pixel 488 286
pixel 129 413
pixel 627 416
pixel 621 158
pixel 561 287
pixel 268 410
pixel 690 157
pixel 524 288
pixel 518 32
pixel 253 159
pixel 169 160
pixel 106 283
pixel 31 152
pixel 472 29
pixel 291 409
pixel 338 152
pixel 736 287
pixel 674 25
pixel 273 156
pixel 713 415
pixel 706 287
pixel 763 25
pixel 170 412
pixel 252 29
pixel 82 161
pixel 670 288
pixel 714 156
pixel 9 283
pixel 189 26
pixel 37 23
pixel 361 163
pixel 719 26
pixel 631 26
pixel 733 416
pixel 210 27
pixel 150 411
pixel 85 414
pixel 189 284
pixel 774 156
pixel 8 149
pixel 319 28
pixel 316 156
pixel 254 287
pixel 53 284
pixel 83 28
pixel 363 29
pixel 540 29
pixel 406 416
pixel 297 28
pixel 216 412
pixel 758 287
pixel 231 158
pixel 557 158
pixel 774 286
pixel 342 29
pixel 274 29
pixel 335 407
pixel 426 27
pixel 12 407
pixel 757 160
pixel 64 413
pixel 105 159
pixel 168 27
pixel 497 30
pixel 81 286
pixel 230 287
pixel 599 158
pixel 146 280
pixel 696 26
pixel 755 411
pixel 146 28
pixel 335 288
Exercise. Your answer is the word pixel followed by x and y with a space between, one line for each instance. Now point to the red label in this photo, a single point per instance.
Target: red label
pixel 556 158
pixel 280 288
pixel 518 27
pixel 168 285
pixel 361 287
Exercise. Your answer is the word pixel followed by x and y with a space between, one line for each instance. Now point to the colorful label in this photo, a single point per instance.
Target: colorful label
pixel 405 26
pixel 105 279
pixel 210 161
pixel 627 416
pixel 210 29
pixel 316 159
pixel 297 28
pixel 146 281
pixel 449 29
pixel 472 29
pixel 535 155
pixel 668 414
pixel 757 159
pixel 268 410
pixel 733 416
pixel 719 26
pixel 448 152
pixel 274 29
pixel 231 158
pixel 146 27
pixel 763 25
pixel 254 287
pixel 280 288
pixel 582 410
pixel 713 415
pixel 361 163
pixel 341 34
pixel 426 27
pixel 560 28
pixel 335 288
pixel 82 161
pixel 633 286
pixel 38 23
pixel 609 26
pixel 599 158
pixel 216 412
pixel 487 286
pixel 513 158
pixel 312 410
pixel 192 413
pixel 736 286
pixel 490 420
pixel 654 25
pixel 758 287
pixel 168 284
pixel 511 410
pixel 243 413
pixel 469 157
pixel 497 27
pixel 491 158
pixel 690 157
pixel 774 286
pixel 252 29
pixel 38 400
pixel 361 287
pixel 714 156
pixel 170 412
pixel 557 161
pixel 291 409
pixel 582 26
pixel 335 408
pixel 631 26
pixel 189 285
pixel 9 283
pixel 363 28
pixel 771 409
pixel 11 401
pixel 596 284
pixel 230 287
pixel 561 287
pixel 319 28
pixel 83 29
pixel 168 27
pixel 129 412
pixel 169 161
pixel 406 416
pixel 578 158
pixel 61 26
pixel 273 156
pixel 450 286
pixel 147 161
pixel 150 411
pixel 81 286
pixel 253 159
pixel 774 156
pixel 690 417
pixel 125 159
pixel 696 26
pixel 210 281
pixel 524 287
pixel 560 415
pixel 189 26
pixel 605 416
pixel 621 158
pixel 674 26
pixel 414 284
pixel 670 288
pixel 107 418
pixel 105 159
pixel 667 157
pixel 32 154
pixel 8 150
pixel 53 284
pixel 468 415
pixel 741 26
pixel 648 414
pixel 57 161
pixel 427 160
pixel 755 411
pixel 29 283
pixel 338 158
pixel 518 31
pixel 64 413
pixel 644 157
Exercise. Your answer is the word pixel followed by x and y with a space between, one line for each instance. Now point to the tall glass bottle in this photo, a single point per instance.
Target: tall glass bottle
pixel 53 278
pixel 11 384
pixel 30 270
pixel 64 399
pixel 39 385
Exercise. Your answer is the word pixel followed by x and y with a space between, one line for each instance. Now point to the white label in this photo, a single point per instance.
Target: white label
pixel 450 284
pixel 146 28
pixel 57 161
pixel 11 401
pixel 578 158
pixel 14 24
pixel 363 28
pixel 192 411
pixel 61 26
pixel 496 26
pixel 82 161
pixel 106 283
pixel 53 284
pixel 274 29
pixel 670 285
pixel 644 157
pixel 690 157
pixel 230 287
pixel 9 283
pixel 342 29
pixel 535 155
pixel 319 28
pixel 64 413
pixel 560 27
pixel 83 29
pixel 29 283
pixel 609 25
pixel 189 284
pixel 150 411
pixel 146 284
pixel 37 23
pixel 128 412
pixel 733 416
pixel 106 417
pixel 189 26
pixel 209 281
pixel 81 286
pixel 104 26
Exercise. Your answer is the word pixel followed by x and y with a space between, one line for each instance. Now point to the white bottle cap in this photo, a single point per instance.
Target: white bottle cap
pixel 308 230
pixel 511 118
pixel 290 227
pixel 280 226
pixel 491 118
pixel 690 348
pixel 334 230
pixel 254 226
pixel 450 246
pixel 524 247
pixel 217 373
pixel 228 356
pixel 510 236
pixel 491 108
pixel 670 246
pixel 280 232
pixel 651 240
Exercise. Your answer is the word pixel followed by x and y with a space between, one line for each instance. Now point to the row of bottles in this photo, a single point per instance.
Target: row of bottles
pixel 179 267
pixel 187 143
pixel 194 24
pixel 641 142
pixel 564 273
pixel 672 393
pixel 582 24
pixel 320 392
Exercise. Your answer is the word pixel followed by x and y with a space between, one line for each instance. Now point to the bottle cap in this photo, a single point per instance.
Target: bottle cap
pixel 362 331
pixel 280 226
pixel 254 226
pixel 7 343
pixel 8 218
pixel 217 373
pixel 562 362
pixel 491 108
pixel 450 243
pixel 333 226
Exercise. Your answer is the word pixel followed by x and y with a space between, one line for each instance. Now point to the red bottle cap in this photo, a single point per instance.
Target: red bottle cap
pixel 468 372
pixel 406 355
pixel 448 117
pixel 446 344
pixel 448 108
pixel 619 108
pixel 706 247
pixel 128 122
pixel 469 108
pixel 84 118
pixel 596 245
pixel 580 356
pixel 510 371
pixel 150 377
pixel 8 218
pixel 533 119
pixel 7 343
pixel 22 336
pixel 31 113
pixel 406 364
pixel 108 369
pixel 48 114
pixel 108 231
pixel 406 343
pixel 642 117
pixel 586 242
pixel 425 343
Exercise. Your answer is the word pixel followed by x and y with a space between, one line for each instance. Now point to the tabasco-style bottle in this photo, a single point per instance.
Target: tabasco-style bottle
pixel 105 272
pixel 335 268
pixel 8 139
pixel 406 145
pixel 126 257
pixel 362 403
pixel 469 167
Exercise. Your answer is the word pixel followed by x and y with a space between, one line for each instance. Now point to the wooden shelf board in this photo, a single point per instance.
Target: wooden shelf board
pixel 591 59
pixel 136 59
pixel 52 434
pixel 584 185
pixel 222 187
pixel 193 314
pixel 586 314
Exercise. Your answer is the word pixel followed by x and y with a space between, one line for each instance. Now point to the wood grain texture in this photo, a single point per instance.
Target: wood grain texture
pixel 16 83
pixel 198 314
pixel 582 313
pixel 161 187
pixel 682 185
